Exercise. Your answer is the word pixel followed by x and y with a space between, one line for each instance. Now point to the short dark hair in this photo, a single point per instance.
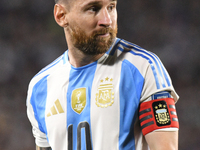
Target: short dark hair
pixel 68 3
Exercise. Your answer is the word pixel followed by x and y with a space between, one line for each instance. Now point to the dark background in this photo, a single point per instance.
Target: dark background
pixel 30 39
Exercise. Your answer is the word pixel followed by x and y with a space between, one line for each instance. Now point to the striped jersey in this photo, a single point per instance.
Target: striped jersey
pixel 95 107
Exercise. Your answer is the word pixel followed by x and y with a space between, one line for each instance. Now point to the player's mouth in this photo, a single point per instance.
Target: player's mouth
pixel 104 35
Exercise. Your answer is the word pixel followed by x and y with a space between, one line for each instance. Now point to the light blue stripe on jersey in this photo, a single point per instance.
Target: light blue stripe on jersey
pixel 38 102
pixel 164 72
pixel 159 66
pixel 65 57
pixel 131 83
pixel 80 78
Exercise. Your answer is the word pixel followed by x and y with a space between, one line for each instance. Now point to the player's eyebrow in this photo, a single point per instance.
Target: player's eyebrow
pixel 94 3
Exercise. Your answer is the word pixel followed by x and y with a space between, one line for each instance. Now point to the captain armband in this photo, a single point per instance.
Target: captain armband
pixel 158 114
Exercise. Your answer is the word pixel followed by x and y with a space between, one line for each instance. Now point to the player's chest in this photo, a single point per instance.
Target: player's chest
pixel 80 91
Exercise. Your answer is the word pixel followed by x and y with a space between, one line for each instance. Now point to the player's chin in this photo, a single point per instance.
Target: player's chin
pixel 105 42
pixel 103 45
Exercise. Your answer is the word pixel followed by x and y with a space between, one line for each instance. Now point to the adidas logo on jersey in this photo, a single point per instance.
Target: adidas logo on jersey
pixel 55 109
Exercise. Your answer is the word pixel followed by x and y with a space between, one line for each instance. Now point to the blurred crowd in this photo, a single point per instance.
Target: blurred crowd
pixel 30 39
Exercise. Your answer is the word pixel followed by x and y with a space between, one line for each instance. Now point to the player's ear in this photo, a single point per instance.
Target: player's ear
pixel 60 13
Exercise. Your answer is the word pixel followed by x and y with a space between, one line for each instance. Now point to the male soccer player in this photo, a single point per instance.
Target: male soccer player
pixel 103 93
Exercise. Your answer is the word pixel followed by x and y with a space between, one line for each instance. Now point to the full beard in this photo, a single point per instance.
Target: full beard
pixel 94 44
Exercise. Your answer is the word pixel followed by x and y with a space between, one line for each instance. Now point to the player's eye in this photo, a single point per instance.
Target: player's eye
pixel 111 7
pixel 93 9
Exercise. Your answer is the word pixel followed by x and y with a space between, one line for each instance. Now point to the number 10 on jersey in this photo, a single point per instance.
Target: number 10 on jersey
pixel 85 126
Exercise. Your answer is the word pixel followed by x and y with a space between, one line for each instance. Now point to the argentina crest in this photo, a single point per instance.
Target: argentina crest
pixel 161 113
pixel 78 100
pixel 105 93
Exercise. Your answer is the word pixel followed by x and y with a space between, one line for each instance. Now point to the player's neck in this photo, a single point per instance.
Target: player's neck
pixel 78 59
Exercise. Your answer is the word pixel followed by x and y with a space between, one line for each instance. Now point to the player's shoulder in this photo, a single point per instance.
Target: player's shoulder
pixel 135 50
pixel 48 70
pixel 137 55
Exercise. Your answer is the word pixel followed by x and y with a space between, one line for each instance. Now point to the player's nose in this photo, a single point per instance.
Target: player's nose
pixel 104 18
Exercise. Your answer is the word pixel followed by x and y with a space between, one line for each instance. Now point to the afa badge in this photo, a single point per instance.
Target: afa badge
pixel 105 94
pixel 161 113
pixel 78 100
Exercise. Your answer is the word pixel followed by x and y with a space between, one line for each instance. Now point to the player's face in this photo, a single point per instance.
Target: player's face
pixel 92 25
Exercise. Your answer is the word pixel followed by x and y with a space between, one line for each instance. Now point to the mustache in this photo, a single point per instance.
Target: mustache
pixel 102 31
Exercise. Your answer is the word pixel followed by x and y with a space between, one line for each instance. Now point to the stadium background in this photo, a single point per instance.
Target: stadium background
pixel 30 39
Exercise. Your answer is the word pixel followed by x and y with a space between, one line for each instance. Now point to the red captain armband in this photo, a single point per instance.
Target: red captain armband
pixel 158 114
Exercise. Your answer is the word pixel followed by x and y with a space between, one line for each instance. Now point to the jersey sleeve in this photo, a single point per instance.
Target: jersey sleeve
pixel 157 87
pixel 40 137
pixel 157 79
